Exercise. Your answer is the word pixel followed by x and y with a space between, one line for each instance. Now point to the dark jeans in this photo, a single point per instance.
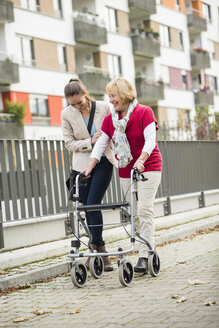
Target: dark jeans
pixel 93 193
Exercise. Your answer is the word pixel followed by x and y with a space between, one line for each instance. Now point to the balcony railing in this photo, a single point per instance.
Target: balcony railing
pixel 196 24
pixel 145 46
pixel 89 29
pixel 6 11
pixel 139 8
pixel 149 92
pixel 204 98
pixel 200 60
pixel 95 79
pixel 9 72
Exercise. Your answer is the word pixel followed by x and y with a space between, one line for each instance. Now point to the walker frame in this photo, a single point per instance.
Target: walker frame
pixel 126 272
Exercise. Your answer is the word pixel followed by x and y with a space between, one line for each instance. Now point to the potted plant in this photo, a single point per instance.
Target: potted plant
pixel 149 32
pixel 17 109
pixel 156 35
pixel 199 49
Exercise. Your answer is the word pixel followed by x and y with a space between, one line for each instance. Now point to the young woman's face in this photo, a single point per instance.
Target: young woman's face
pixel 116 100
pixel 77 101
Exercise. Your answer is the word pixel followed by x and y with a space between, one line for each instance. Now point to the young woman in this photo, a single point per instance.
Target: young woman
pixel 132 127
pixel 75 119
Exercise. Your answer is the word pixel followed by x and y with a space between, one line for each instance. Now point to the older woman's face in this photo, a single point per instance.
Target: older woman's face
pixel 116 100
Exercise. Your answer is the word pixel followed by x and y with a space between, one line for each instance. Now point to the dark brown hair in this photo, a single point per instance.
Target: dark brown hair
pixel 76 87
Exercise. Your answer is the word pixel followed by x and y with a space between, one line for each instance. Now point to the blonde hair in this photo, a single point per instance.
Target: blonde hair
pixel 124 88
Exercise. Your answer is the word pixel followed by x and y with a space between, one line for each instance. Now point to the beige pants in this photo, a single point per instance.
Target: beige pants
pixel 144 208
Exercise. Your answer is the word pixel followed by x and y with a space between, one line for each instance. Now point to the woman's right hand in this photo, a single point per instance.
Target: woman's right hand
pixel 96 136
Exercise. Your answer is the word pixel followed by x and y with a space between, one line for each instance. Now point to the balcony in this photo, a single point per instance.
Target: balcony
pixel 145 47
pixel 147 92
pixel 141 8
pixel 8 128
pixel 196 24
pixel 204 98
pixel 89 30
pixel 200 60
pixel 6 11
pixel 95 81
pixel 9 72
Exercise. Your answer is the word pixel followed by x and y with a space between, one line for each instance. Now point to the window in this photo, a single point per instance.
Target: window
pixel 177 5
pixel 213 84
pixel 64 102
pixel 181 41
pixel 31 5
pixel 39 105
pixel 206 9
pixel 62 57
pixel 57 8
pixel 114 66
pixel 112 22
pixel 165 38
pixel 165 75
pixel 184 80
pixel 25 51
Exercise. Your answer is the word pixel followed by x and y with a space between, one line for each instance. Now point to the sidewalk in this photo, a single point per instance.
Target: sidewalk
pixel 184 295
pixel 50 259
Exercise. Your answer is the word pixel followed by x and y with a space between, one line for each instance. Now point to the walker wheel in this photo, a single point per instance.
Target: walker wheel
pixel 154 264
pixel 126 273
pixel 79 274
pixel 96 266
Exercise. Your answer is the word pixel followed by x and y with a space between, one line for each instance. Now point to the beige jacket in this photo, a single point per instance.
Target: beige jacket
pixel 77 138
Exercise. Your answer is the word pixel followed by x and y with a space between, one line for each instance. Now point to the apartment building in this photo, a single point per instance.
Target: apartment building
pixel 169 49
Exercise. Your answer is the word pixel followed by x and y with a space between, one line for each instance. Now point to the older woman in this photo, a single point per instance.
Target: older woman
pixel 75 120
pixel 132 128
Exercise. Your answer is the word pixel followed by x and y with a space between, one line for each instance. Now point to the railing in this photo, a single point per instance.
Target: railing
pixel 88 18
pixel 33 175
pixel 185 130
pixel 4 117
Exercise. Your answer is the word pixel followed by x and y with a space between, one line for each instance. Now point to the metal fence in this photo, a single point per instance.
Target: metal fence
pixel 33 175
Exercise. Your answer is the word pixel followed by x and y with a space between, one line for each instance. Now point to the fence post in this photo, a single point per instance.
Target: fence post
pixel 1 229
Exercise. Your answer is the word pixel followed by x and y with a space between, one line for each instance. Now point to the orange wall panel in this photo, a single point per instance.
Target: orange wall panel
pixel 182 5
pixel 55 107
pixel 22 98
pixel 169 3
pixel 197 5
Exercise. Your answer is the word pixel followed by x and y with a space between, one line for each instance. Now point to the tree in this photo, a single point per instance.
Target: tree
pixel 204 129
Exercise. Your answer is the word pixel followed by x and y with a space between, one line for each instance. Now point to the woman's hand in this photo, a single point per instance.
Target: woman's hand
pixel 93 162
pixel 96 136
pixel 139 166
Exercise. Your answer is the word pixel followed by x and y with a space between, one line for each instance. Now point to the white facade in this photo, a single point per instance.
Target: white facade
pixel 115 57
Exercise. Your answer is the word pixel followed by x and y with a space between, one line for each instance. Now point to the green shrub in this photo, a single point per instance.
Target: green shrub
pixel 17 109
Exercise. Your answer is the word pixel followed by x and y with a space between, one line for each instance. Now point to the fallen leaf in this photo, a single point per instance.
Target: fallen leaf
pixel 39 312
pixel 78 311
pixel 21 319
pixel 210 303
pixel 27 285
pixel 174 296
pixel 196 282
pixel 3 272
pixel 181 262
pixel 181 300
pixel 74 312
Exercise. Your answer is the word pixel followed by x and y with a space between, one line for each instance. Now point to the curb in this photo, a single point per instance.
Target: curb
pixel 36 275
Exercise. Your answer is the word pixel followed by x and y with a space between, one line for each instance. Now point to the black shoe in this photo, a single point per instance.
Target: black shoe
pixel 142 265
